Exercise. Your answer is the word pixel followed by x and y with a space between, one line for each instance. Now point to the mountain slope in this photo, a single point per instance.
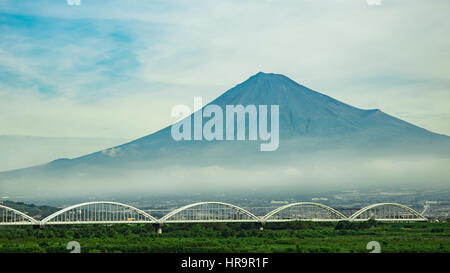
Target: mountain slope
pixel 20 151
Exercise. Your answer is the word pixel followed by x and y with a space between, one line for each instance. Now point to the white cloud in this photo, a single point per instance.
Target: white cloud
pixel 111 152
pixel 343 48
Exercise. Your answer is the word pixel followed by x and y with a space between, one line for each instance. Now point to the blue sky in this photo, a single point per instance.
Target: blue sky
pixel 116 68
pixel 68 49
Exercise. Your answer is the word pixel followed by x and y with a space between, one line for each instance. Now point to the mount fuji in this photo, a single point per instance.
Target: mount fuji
pixel 315 130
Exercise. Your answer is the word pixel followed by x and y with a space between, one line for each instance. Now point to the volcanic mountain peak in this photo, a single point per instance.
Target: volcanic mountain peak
pixel 304 115
pixel 312 128
pixel 270 88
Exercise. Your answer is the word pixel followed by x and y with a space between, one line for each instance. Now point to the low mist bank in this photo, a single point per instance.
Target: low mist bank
pixel 315 172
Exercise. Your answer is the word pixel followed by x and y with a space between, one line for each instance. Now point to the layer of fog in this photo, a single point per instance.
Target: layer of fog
pixel 305 174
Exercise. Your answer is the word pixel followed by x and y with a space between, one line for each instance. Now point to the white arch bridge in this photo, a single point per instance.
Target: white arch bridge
pixel 105 212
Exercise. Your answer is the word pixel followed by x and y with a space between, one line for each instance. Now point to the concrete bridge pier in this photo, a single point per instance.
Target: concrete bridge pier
pixel 158 228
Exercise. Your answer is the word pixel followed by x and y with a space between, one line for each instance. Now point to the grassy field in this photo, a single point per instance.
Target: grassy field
pixel 233 237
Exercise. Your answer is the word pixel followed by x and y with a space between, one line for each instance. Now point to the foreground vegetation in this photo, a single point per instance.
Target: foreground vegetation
pixel 231 237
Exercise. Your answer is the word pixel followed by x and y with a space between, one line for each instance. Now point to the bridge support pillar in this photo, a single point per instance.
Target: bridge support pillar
pixel 261 227
pixel 158 228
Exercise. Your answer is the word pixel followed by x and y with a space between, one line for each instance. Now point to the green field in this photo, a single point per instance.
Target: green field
pixel 231 237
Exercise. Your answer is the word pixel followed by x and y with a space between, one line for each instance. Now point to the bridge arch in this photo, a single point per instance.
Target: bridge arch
pixel 292 212
pixel 10 216
pixel 387 212
pixel 209 212
pixel 99 212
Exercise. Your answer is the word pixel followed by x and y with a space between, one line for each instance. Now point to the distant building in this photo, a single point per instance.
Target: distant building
pixel 278 202
pixel 319 199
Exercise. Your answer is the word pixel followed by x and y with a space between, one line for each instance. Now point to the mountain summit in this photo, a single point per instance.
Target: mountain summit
pixel 304 112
